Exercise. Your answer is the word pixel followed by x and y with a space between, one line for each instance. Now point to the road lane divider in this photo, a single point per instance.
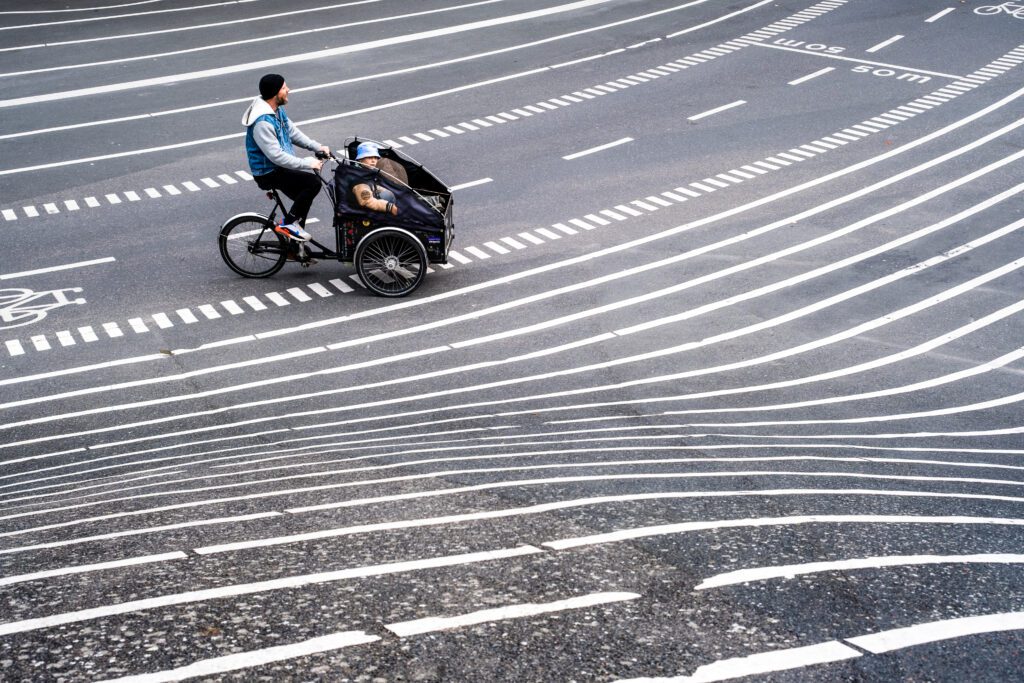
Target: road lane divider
pixel 791 571
pixel 236 590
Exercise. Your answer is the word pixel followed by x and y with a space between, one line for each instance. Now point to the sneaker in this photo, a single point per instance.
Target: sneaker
pixel 293 231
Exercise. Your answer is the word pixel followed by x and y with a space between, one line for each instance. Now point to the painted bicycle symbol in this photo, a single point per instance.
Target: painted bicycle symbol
pixel 1014 9
pixel 23 306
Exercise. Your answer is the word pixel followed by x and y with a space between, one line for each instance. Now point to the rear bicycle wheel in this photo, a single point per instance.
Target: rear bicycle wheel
pixel 250 247
pixel 391 262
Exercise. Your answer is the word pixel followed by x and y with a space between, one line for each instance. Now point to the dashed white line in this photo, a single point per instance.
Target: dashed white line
pixel 285 583
pixel 187 316
pixel 479 253
pixel 819 72
pixel 512 242
pixel 472 183
pixel 405 629
pixel 934 631
pixel 599 148
pixel 52 269
pixel 496 248
pixel 341 286
pixel 85 568
pixel 209 311
pixel 231 307
pixel 320 290
pixel 762 663
pixel 884 44
pixel 716 110
pixel 789 571
pixel 277 299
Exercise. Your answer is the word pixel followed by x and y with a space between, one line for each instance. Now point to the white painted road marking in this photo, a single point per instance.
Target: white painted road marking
pixel 52 269
pixel 85 568
pixel 884 44
pixel 599 148
pixel 808 77
pixel 343 639
pixel 671 529
pixel 306 56
pixel 405 629
pixel 761 663
pixel 793 570
pixel 472 183
pixel 236 590
pixel 938 16
pixel 858 61
pixel 251 658
pixel 716 110
pixel 919 634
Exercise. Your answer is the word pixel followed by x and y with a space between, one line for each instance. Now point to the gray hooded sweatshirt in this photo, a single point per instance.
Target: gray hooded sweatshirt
pixel 264 136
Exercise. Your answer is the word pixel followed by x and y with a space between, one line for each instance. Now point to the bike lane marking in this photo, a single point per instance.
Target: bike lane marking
pixel 16 348
pixel 795 155
pixel 771 30
pixel 669 68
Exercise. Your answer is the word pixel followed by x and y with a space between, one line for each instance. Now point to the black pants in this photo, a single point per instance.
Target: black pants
pixel 301 187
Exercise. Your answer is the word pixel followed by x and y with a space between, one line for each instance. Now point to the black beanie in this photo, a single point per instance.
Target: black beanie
pixel 270 85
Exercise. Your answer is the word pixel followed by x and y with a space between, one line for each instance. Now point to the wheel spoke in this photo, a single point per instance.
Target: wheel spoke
pixel 252 249
pixel 391 263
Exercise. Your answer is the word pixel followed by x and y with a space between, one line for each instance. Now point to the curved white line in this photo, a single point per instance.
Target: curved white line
pixel 543 507
pixel 634 462
pixel 260 587
pixel 989 366
pixel 688 346
pixel 686 527
pixel 911 270
pixel 793 570
pixel 214 46
pixel 85 9
pixel 438 493
pixel 618 248
pixel 934 631
pixel 834 651
pixel 320 54
pixel 331 84
pixel 920 414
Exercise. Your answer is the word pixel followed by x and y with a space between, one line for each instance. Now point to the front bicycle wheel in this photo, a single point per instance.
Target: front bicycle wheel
pixel 250 247
pixel 391 262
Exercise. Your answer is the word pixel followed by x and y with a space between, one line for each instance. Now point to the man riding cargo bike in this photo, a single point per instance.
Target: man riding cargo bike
pixel 392 217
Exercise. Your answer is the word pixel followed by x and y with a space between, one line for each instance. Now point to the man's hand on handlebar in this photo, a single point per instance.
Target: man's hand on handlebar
pixel 322 155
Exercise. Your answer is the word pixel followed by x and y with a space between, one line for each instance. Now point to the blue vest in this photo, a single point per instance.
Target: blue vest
pixel 259 164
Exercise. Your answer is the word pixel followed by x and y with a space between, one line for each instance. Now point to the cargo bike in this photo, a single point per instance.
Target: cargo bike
pixel 391 253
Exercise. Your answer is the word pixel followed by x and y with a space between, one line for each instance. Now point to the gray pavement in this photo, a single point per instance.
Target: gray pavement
pixel 721 381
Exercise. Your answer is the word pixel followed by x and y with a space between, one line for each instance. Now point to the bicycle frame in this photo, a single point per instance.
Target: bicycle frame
pixel 324 252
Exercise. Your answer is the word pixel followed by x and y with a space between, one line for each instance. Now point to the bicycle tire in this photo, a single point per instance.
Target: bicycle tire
pixel 251 248
pixel 391 262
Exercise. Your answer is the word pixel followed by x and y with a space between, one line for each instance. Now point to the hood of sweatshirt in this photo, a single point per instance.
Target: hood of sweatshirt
pixel 257 108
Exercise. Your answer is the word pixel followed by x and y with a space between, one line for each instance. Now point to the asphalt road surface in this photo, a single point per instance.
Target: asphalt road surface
pixel 722 378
